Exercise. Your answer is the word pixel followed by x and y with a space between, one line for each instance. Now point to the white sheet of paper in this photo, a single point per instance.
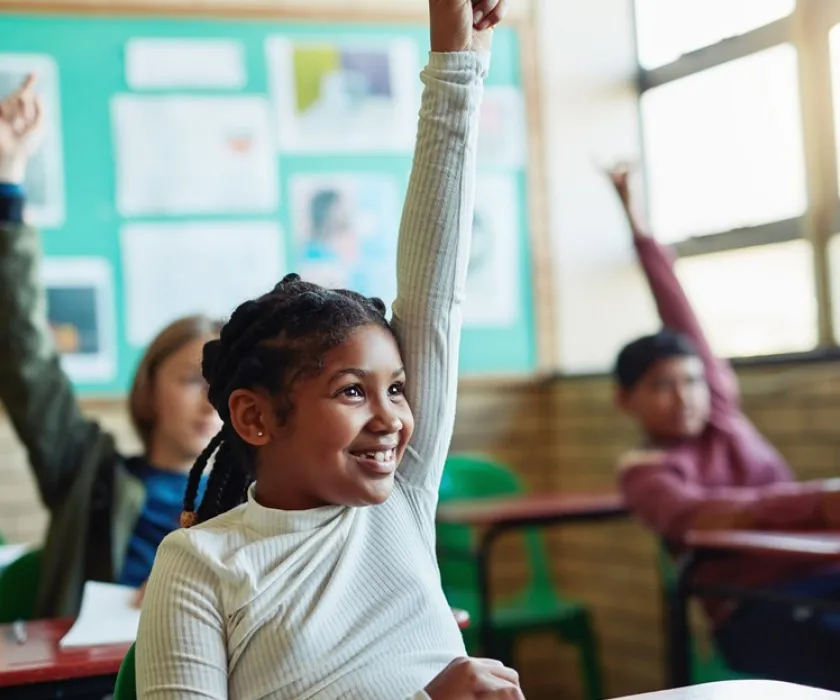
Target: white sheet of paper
pixel 492 292
pixel 175 269
pixel 80 311
pixel 184 63
pixel 12 552
pixel 107 616
pixel 502 139
pixel 45 173
pixel 351 96
pixel 194 155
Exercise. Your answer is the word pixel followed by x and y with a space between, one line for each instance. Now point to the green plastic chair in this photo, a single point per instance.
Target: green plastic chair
pixel 708 667
pixel 537 607
pixel 19 588
pixel 126 686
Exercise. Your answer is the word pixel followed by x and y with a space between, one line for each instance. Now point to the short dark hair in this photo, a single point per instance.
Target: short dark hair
pixel 637 357
pixel 269 342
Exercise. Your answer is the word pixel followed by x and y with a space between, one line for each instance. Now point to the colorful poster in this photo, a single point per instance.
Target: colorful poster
pixel 176 269
pixel 45 171
pixel 194 155
pixel 351 97
pixel 80 313
pixel 345 231
pixel 492 293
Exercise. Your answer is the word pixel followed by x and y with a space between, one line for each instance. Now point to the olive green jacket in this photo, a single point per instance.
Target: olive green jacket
pixel 93 500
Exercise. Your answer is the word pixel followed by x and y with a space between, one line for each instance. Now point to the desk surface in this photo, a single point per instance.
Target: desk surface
pixel 818 545
pixel 41 660
pixel 537 507
pixel 741 690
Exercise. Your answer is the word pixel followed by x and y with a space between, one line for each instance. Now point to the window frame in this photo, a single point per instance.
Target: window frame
pixel 807 29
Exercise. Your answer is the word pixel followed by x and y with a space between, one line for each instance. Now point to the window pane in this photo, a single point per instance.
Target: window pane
pixel 667 29
pixel 723 147
pixel 755 301
pixel 834 272
pixel 834 41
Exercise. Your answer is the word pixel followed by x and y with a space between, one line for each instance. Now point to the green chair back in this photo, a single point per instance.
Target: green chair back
pixel 126 685
pixel 19 583
pixel 472 477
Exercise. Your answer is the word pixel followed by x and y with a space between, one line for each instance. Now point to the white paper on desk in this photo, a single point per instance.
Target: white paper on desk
pixel 184 63
pixel 175 269
pixel 194 155
pixel 108 616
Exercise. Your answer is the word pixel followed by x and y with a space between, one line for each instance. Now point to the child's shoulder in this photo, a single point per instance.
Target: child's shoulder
pixel 211 540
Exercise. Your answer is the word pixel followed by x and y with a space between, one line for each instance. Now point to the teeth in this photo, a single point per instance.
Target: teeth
pixel 380 456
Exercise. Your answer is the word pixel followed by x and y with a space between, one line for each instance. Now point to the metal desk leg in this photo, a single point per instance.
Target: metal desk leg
pixel 679 634
pixel 484 592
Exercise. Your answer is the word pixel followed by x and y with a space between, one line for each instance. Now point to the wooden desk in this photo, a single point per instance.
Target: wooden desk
pixel 741 690
pixel 40 669
pixel 705 544
pixel 816 545
pixel 495 516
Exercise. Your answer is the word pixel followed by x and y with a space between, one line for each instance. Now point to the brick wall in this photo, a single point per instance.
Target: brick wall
pixel 562 436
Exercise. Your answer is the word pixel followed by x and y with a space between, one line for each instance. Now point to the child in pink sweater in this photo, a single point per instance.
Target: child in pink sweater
pixel 704 465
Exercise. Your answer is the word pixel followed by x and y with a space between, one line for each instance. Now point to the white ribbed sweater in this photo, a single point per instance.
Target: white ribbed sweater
pixel 341 602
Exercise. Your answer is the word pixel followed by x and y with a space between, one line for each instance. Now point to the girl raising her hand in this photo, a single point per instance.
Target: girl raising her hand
pixel 308 570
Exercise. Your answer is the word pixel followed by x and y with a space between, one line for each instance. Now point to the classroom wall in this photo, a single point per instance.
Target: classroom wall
pixel 561 436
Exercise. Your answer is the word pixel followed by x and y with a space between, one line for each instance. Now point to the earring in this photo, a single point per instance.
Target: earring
pixel 260 433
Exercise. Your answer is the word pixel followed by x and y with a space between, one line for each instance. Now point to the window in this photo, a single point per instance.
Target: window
pixel 667 29
pixel 741 146
pixel 755 301
pixel 723 147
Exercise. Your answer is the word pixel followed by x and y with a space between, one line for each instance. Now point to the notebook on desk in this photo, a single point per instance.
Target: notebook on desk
pixel 107 616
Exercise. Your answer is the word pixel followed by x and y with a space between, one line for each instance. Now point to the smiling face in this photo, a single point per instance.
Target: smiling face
pixel 347 431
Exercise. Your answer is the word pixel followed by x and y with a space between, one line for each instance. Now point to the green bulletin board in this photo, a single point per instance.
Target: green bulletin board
pixel 89 57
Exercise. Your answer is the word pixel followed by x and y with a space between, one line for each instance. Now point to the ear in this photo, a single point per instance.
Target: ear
pixel 250 415
pixel 623 400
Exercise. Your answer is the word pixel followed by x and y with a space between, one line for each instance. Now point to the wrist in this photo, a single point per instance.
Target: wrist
pixel 12 170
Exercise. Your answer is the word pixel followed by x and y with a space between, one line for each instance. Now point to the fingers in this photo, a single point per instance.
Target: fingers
pixel 488 13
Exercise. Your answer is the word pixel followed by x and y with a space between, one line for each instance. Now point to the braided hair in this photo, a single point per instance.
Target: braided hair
pixel 270 343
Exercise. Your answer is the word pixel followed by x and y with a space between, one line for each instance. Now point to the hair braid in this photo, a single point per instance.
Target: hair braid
pixel 268 343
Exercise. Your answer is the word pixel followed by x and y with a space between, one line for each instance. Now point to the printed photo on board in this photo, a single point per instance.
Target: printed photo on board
pixel 80 313
pixel 348 97
pixel 493 272
pixel 45 173
pixel 345 228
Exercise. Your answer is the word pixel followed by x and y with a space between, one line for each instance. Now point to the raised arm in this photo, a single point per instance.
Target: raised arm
pixel 674 308
pixel 435 233
pixel 660 496
pixel 35 392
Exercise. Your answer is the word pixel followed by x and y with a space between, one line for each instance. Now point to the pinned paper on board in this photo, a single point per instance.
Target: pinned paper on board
pixel 492 292
pixel 80 313
pixel 45 171
pixel 352 96
pixel 502 139
pixel 194 155
pixel 108 615
pixel 345 230
pixel 177 269
pixel 157 63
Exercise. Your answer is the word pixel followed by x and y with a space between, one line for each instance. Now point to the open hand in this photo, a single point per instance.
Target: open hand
pixel 619 176
pixel 464 25
pixel 20 130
